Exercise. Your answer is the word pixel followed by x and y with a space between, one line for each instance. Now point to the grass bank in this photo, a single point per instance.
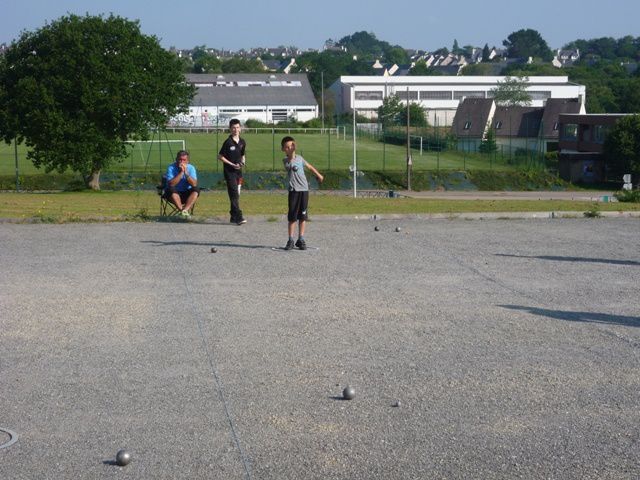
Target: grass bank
pixel 144 206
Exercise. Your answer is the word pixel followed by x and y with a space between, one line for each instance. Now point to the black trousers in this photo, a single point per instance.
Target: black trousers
pixel 234 179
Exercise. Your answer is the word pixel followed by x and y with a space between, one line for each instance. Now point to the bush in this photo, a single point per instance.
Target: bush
pixel 628 196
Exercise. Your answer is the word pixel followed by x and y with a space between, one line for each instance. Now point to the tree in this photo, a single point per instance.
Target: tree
pixel 417 117
pixel 512 92
pixel 527 43
pixel 207 63
pixel 486 53
pixel 389 111
pixel 76 89
pixel 488 143
pixel 622 146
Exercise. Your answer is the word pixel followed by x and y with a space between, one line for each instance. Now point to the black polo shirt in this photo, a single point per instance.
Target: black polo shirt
pixel 232 151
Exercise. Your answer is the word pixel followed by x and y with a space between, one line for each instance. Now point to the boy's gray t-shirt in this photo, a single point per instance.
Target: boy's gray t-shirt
pixel 295 174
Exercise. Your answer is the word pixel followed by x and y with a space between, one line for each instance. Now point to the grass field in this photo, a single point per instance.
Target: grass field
pixel 144 205
pixel 324 151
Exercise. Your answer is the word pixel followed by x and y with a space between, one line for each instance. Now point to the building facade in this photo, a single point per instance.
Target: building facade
pixel 439 95
pixel 268 97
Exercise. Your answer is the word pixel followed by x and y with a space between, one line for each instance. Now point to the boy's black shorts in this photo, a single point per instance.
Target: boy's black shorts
pixel 298 203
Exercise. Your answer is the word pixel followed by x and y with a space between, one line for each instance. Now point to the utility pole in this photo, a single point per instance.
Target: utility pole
pixel 409 162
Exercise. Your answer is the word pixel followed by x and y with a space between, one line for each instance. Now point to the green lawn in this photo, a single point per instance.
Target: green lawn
pixel 326 152
pixel 144 205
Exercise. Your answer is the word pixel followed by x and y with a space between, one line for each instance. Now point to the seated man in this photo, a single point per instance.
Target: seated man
pixel 182 184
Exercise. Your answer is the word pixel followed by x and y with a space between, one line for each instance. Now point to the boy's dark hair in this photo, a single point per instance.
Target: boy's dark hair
pixel 234 121
pixel 286 139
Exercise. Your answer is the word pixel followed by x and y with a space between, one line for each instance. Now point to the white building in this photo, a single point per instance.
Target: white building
pixel 268 97
pixel 439 95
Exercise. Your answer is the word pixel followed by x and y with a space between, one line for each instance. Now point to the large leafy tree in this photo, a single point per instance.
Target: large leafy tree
pixel 527 43
pixel 512 92
pixel 76 89
pixel 622 146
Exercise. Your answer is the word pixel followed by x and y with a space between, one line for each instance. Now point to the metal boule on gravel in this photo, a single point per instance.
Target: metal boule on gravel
pixel 398 229
pixel 214 249
pixel 123 458
pixel 376 228
pixel 349 393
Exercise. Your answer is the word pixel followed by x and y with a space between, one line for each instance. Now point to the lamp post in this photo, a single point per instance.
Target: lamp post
pixel 355 169
pixel 409 162
pixel 354 166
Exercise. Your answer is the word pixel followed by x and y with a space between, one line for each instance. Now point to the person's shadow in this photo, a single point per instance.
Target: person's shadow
pixel 574 316
pixel 559 258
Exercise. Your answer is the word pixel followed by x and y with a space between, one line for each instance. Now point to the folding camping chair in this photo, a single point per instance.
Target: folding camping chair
pixel 167 207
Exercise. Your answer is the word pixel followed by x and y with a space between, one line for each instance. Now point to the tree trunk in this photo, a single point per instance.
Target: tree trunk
pixel 92 180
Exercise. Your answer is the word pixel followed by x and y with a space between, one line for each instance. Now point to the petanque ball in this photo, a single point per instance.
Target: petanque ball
pixel 377 228
pixel 397 229
pixel 214 249
pixel 349 393
pixel 123 458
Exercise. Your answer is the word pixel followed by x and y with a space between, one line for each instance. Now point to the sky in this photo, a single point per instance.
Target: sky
pixel 416 24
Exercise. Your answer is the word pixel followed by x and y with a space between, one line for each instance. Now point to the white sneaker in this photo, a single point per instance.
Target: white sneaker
pixel 185 213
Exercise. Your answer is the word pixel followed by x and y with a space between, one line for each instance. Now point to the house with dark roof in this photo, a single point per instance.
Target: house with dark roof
pixel 268 97
pixel 514 127
pixel 581 147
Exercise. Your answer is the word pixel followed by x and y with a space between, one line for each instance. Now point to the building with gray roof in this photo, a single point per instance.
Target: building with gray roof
pixel 268 97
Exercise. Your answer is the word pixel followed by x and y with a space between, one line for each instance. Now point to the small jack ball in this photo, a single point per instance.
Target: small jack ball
pixel 123 458
pixel 214 249
pixel 376 228
pixel 397 229
pixel 349 393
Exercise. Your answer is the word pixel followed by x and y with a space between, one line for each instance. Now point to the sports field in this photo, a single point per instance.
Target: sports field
pixel 325 151
pixel 477 349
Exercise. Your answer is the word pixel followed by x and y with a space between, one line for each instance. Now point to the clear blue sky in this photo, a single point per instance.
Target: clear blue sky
pixel 419 24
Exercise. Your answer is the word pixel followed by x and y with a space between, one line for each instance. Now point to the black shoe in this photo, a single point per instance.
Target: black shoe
pixel 289 245
pixel 301 244
pixel 241 221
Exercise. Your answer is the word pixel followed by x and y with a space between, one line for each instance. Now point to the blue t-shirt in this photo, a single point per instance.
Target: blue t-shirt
pixel 182 186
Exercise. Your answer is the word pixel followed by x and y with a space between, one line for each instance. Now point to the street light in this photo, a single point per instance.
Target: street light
pixel 353 110
pixel 355 165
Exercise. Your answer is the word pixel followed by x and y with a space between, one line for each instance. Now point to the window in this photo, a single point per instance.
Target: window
pixel 600 133
pixel 459 95
pixel 467 125
pixel 402 95
pixel 555 126
pixel 539 95
pixel 369 95
pixel 570 131
pixel 435 95
pixel 498 124
pixel 279 115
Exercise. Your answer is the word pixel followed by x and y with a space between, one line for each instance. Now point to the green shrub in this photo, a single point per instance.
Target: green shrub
pixel 632 196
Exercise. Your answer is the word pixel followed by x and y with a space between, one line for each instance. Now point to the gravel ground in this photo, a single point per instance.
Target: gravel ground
pixel 478 349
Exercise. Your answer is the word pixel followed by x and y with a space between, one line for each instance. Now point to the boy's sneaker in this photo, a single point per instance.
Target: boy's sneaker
pixel 301 244
pixel 241 221
pixel 185 213
pixel 289 245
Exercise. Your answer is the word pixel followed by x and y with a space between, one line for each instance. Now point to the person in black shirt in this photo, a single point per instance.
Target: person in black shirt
pixel 232 155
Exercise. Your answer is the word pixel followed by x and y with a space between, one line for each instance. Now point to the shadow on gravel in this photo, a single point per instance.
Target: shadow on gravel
pixel 592 317
pixel 159 243
pixel 573 259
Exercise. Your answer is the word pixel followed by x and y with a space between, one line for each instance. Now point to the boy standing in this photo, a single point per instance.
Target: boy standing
pixel 232 154
pixel 298 191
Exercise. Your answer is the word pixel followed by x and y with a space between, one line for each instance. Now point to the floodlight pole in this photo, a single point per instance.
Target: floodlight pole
pixel 408 146
pixel 355 169
pixel 322 98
